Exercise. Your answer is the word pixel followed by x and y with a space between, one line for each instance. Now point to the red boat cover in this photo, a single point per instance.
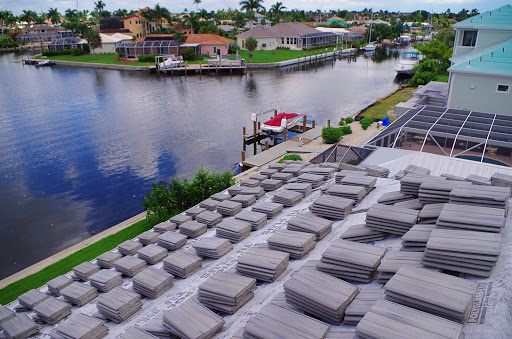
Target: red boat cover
pixel 276 121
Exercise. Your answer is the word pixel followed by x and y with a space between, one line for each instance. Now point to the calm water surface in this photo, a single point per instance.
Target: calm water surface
pixel 80 147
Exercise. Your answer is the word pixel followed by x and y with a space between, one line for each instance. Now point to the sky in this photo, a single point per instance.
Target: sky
pixel 177 6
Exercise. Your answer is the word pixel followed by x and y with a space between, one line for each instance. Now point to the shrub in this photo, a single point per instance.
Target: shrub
pixel 203 56
pixel 86 49
pixel 233 48
pixel 346 130
pixel 76 51
pixel 425 72
pixel 147 58
pixel 349 120
pixel 341 123
pixel 8 43
pixel 365 122
pixel 331 135
pixel 189 54
pixel 291 157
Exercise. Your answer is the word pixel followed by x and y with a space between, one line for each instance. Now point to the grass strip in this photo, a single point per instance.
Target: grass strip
pixel 108 59
pixel 11 292
pixel 385 107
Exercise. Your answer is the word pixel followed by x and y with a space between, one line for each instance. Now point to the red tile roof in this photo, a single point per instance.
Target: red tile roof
pixel 207 39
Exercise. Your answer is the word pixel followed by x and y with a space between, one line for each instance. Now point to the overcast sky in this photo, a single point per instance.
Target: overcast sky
pixel 175 6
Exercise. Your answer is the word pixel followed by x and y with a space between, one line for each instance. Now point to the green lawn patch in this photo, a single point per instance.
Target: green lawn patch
pixel 384 108
pixel 108 59
pixel 442 78
pixel 36 280
pixel 263 57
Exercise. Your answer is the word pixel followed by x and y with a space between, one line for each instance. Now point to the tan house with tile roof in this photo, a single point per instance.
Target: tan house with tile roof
pixel 211 44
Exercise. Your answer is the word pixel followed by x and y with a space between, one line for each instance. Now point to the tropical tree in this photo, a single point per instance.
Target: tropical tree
pixel 28 17
pixel 197 2
pixel 251 44
pixel 120 12
pixel 98 7
pixel 277 10
pixel 71 14
pixel 192 19
pixel 251 6
pixel 94 40
pixel 6 18
pixel 159 13
pixel 54 16
pixel 179 37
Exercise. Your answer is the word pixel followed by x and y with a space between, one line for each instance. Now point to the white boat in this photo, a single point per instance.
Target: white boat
pixel 407 62
pixel 371 45
pixel 172 61
pixel 405 38
pixel 44 62
pixel 427 37
pixel 281 121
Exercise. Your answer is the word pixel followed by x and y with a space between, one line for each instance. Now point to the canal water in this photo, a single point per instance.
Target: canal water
pixel 80 147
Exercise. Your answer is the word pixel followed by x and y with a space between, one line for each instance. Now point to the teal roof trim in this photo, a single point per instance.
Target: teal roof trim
pixel 479 52
pixel 500 18
pixel 495 62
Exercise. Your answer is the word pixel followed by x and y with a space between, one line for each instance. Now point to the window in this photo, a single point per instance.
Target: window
pixel 469 38
pixel 502 88
pixel 282 40
pixel 214 50
pixel 263 45
pixel 294 41
pixel 287 41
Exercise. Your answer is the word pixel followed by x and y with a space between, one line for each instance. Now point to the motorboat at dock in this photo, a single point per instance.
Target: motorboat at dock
pixel 281 121
pixel 407 62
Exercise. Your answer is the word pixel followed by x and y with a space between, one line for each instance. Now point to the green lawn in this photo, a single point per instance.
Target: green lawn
pixel 277 55
pixel 385 107
pixel 442 78
pixel 100 59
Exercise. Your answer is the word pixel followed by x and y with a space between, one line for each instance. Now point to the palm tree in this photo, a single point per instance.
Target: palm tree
pixel 71 14
pixel 54 15
pixel 192 20
pixel 28 16
pixel 159 13
pixel 98 7
pixel 4 17
pixel 94 40
pixel 277 11
pixel 251 6
pixel 197 2
pixel 251 44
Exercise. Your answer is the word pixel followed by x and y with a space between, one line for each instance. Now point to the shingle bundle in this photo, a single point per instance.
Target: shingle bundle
pixel 453 177
pixel 5 314
pixel 250 183
pixel 31 298
pixel 271 184
pixel 152 282
pixel 171 240
pixel 325 172
pixel 277 166
pixel 258 192
pixel 119 304
pixel 284 177
pixel 148 237
pixel 310 224
pixel 203 324
pixel 433 292
pixel 391 219
pixel 212 247
pixel 107 259
pixel 293 170
pixel 358 180
pixel 351 261
pixel 432 192
pixel 388 320
pixel 471 218
pixel 85 270
pixel 287 198
pixel 500 179
pixel 410 184
pixel 229 207
pixel 193 229
pixel 181 264
pixel 57 284
pixel 298 244
pixel 152 254
pixel 478 180
pixel 105 280
pixel 393 261
pixel 356 193
pixel 164 227
pixel 209 204
pixel 413 204
pixel 415 240
pixel 259 177
pixel 234 230
pixel 234 190
pixel 226 292
pixel 135 332
pixel 271 209
pixel 245 199
pixel 82 326
pixel 194 211
pixel 52 310
pixel 314 180
pixel 493 196
pixel 469 252
pixel 303 188
pixel 268 172
pixel 156 328
pixel 79 294
pixel 262 264
pixel 429 213
pixel 130 266
pixel 390 198
pixel 344 173
pixel 209 218
pixel 257 220
pixel 361 233
pixel 416 170
pixel 362 304
pixel 179 219
pixel 332 207
pixel 284 323
pixel 220 196
pixel 376 171
pixel 20 327
pixel 320 294
pixel 129 247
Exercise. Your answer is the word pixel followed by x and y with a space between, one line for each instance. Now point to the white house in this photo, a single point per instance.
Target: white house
pixel 109 43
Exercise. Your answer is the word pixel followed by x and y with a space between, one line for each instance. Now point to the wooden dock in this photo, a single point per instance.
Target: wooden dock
pixel 201 69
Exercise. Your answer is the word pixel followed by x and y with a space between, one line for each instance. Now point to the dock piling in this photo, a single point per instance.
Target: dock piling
pixel 304 126
pixel 313 124
pixel 266 145
pixel 328 123
pixel 243 156
pixel 284 134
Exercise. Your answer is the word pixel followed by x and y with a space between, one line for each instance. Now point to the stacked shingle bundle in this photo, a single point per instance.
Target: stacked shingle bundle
pixel 212 247
pixel 250 183
pixel 107 259
pixel 31 298
pixel 293 169
pixel 356 193
pixel 500 179
pixel 361 233
pixel 332 207
pixel 481 196
pixel 234 230
pixel 303 188
pixel 226 292
pixel 410 184
pixel 366 182
pixel 277 166
pixel 388 320
pixel 469 252
pixel 258 192
pixel 57 284
pixel 478 180
pixel 152 282
pixel 156 328
pixel 119 304
pixel 434 192
pixel 209 204
pixel 284 177
pixel 257 220
pixel 362 304
pixel 220 196
pixel 391 219
pixel 148 237
pixel 5 314
pixel 105 280
pixel 129 247
pixel 284 323
pixel 271 184
pixel 344 173
pixel 181 264
pixel 130 266
pixel 393 261
pixel 164 227
pixel 194 211
pixel 259 177
pixel 20 327
pixel 351 260
pixel 414 204
pixel 52 310
pixel 193 229
pixel 298 244
pixel 376 171
pixel 245 199
pixel 202 324
pixel 320 294
pixel 310 224
pixel 210 219
pixel 262 264
pixel 453 177
pixel 271 209
pixel 171 240
pixel 180 219
pixel 268 172
pixel 235 190
pixel 85 270
pixel 416 170
pixel 325 172
pixel 152 254
pixel 415 240
pixel 79 294
pixel 471 218
pixel 429 213
pixel 287 198
pixel 391 198
pixel 433 292
pixel 82 326
pixel 229 207
pixel 136 333
pixel 314 180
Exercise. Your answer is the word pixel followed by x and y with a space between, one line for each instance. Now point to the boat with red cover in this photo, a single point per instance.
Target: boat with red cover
pixel 281 121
